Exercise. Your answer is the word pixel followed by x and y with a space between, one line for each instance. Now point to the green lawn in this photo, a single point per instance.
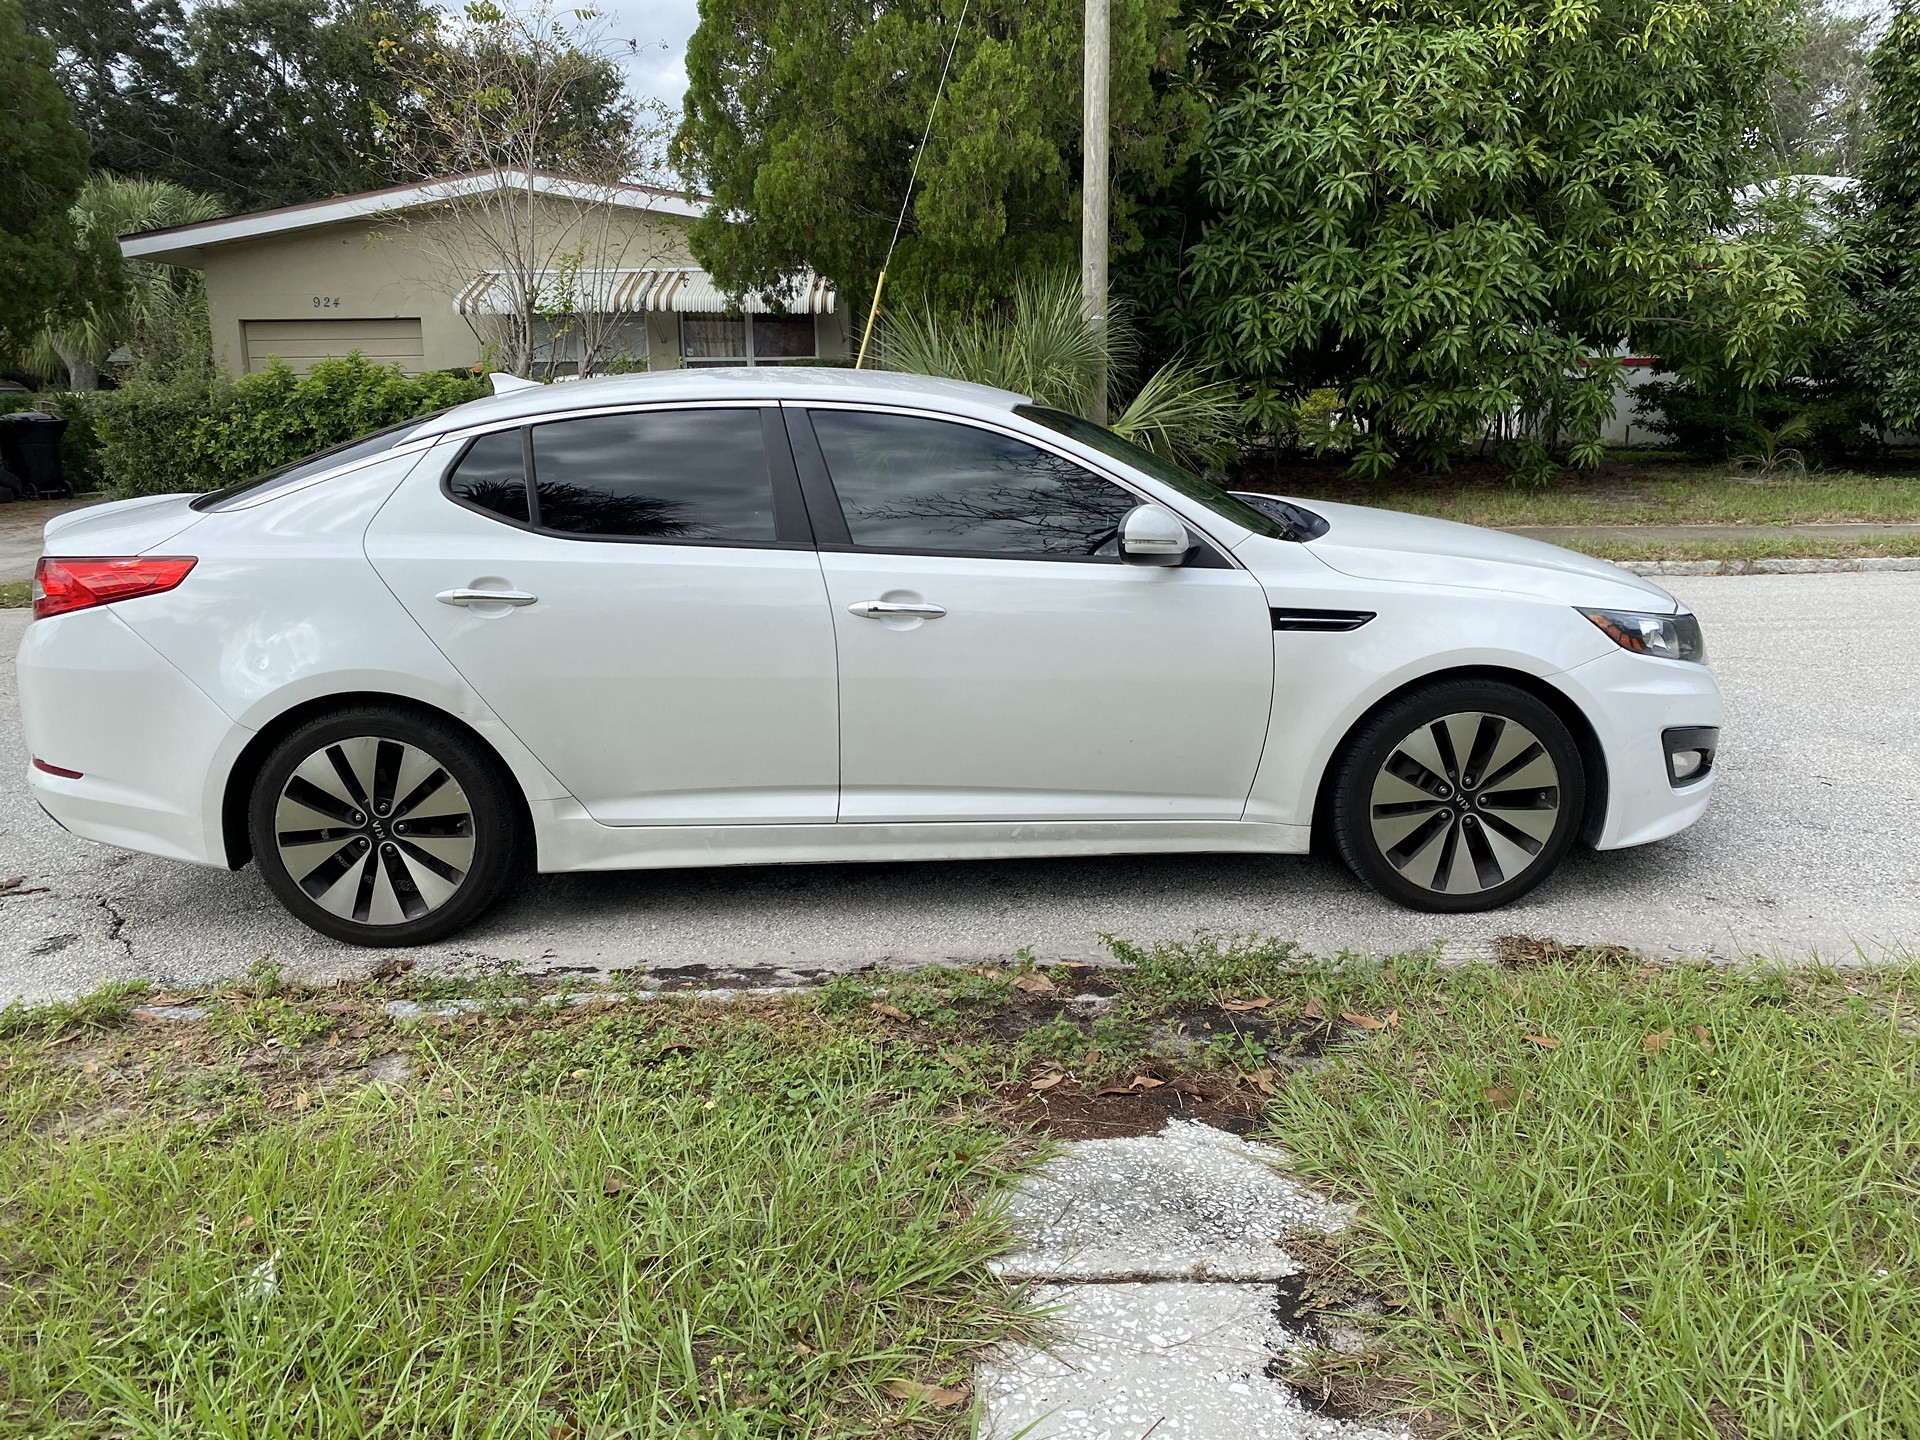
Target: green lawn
pixel 1628 489
pixel 1636 1203
pixel 1596 1198
pixel 16 594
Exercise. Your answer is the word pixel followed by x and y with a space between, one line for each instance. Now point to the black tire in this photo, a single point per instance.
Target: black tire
pixel 1459 796
pixel 450 843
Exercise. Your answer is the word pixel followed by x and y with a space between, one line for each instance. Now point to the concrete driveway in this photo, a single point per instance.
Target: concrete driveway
pixel 20 526
pixel 1813 844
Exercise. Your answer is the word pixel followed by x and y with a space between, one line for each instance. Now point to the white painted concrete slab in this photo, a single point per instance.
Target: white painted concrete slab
pixel 1179 1360
pixel 1189 1202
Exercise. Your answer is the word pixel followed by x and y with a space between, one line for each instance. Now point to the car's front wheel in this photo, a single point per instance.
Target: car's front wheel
pixel 1459 796
pixel 380 826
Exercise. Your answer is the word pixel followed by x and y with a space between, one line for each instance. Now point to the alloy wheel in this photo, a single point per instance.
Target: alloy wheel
pixel 375 830
pixel 1465 803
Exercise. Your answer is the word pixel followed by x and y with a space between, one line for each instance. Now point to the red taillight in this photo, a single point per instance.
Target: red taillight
pixel 61 771
pixel 61 585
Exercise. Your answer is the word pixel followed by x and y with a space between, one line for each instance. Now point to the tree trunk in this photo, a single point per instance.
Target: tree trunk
pixel 82 373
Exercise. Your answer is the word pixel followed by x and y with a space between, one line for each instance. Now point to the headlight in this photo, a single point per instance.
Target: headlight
pixel 1672 637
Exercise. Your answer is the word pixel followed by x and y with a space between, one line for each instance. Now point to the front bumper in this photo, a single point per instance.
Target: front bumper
pixel 1633 701
pixel 97 699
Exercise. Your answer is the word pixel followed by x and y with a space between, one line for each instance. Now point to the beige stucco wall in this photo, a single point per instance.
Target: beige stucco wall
pixel 411 269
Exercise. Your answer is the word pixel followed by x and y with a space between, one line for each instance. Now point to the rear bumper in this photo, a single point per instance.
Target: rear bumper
pixel 97 699
pixel 1632 701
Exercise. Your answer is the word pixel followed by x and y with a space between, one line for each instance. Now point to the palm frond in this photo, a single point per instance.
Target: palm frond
pixel 1041 346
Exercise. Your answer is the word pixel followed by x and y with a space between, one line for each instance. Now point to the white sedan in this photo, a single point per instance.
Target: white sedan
pixel 742 617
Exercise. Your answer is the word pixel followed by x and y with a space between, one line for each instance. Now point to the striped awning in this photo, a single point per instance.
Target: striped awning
pixel 682 290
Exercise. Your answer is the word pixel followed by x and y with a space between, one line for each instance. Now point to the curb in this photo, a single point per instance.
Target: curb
pixel 1771 567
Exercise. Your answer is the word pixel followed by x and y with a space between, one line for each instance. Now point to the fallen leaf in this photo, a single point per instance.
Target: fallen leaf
pixel 1034 984
pixel 1365 1022
pixel 1657 1041
pixel 1393 1019
pixel 1147 1082
pixel 1240 1007
pixel 1116 1090
pixel 1184 1086
pixel 928 1394
pixel 892 1012
pixel 1047 1082
pixel 615 1183
pixel 245 1223
pixel 90 1067
pixel 1500 1097
pixel 1263 1078
pixel 560 1430
pixel 1311 1010
pixel 1545 1042
pixel 1701 1033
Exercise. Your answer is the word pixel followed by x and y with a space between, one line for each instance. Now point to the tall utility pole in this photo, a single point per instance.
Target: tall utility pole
pixel 1093 197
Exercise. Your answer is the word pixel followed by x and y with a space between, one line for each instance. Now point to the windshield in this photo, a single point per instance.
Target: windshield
pixel 346 453
pixel 1098 437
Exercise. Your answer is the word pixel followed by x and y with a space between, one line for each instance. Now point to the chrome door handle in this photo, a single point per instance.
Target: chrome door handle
pixel 882 609
pixel 485 597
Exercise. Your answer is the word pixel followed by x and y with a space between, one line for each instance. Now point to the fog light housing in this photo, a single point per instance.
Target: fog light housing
pixel 1689 753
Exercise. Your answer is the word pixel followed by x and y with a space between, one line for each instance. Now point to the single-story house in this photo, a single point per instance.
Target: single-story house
pixel 483 269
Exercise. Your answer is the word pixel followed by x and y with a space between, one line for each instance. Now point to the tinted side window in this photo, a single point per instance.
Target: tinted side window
pixel 912 484
pixel 658 475
pixel 491 476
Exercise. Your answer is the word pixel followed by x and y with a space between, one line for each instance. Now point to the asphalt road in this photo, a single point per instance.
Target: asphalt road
pixel 1813 845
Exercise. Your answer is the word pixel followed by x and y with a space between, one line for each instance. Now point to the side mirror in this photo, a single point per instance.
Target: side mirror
pixel 1153 535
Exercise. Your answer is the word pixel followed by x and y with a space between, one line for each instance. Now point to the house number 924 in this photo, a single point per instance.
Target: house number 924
pixel 326 302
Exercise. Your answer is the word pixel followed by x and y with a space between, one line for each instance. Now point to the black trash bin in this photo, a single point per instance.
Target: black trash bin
pixel 30 453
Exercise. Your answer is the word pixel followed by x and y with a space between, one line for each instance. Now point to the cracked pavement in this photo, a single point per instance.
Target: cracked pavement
pixel 1811 845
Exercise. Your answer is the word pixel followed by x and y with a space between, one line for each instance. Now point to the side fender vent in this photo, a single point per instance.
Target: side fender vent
pixel 1328 620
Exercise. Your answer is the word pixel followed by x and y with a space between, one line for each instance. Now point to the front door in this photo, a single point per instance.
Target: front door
pixel 637 598
pixel 999 662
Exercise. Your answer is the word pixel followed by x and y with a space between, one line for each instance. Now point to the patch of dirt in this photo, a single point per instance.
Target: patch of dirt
pixel 1527 952
pixel 1072 1112
pixel 1344 1375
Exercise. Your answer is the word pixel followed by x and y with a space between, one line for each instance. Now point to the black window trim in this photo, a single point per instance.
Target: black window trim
pixel 790 514
pixel 830 520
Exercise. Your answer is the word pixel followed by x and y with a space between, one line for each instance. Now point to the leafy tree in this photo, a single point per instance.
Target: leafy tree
pixel 1455 215
pixel 114 301
pixel 1886 353
pixel 43 163
pixel 124 64
pixel 1818 102
pixel 260 102
pixel 1758 346
pixel 803 120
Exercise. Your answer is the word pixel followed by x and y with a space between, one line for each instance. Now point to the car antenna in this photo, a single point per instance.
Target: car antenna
pixel 880 283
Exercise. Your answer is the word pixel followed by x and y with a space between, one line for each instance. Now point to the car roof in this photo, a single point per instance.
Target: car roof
pixel 762 382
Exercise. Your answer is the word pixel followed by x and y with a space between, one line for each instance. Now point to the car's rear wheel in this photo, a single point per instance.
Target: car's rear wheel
pixel 1459 796
pixel 379 826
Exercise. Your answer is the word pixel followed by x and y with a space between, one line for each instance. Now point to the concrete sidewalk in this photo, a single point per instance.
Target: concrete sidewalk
pixel 1175 1310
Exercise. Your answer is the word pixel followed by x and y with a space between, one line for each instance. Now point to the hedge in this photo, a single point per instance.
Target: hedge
pixel 159 439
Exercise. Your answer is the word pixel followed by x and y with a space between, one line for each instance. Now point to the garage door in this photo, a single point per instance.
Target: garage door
pixel 301 342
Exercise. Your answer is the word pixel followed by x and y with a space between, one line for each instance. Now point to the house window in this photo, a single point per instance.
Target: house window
pixel 747 339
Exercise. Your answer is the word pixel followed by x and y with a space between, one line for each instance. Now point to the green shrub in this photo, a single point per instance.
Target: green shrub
pixel 157 439
pixel 1822 420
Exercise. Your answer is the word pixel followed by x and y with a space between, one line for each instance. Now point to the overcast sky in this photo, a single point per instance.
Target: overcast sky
pixel 658 69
